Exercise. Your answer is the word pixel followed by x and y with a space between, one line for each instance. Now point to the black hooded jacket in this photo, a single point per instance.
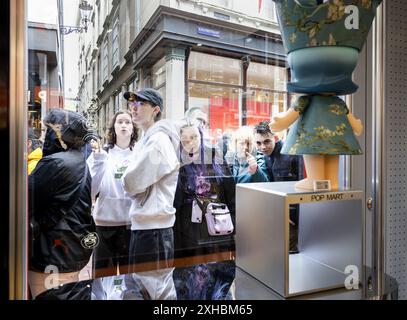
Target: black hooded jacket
pixel 282 167
pixel 57 188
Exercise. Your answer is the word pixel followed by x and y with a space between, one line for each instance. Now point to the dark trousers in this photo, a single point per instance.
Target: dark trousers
pixel 113 248
pixel 154 246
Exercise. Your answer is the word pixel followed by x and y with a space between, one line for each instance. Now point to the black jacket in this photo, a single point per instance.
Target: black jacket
pixel 60 201
pixel 282 167
pixel 54 188
pixel 193 238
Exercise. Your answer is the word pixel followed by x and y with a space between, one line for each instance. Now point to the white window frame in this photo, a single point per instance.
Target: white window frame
pixel 116 43
pixel 105 60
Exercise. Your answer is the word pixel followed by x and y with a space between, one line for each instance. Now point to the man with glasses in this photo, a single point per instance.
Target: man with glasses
pixel 151 181
pixel 280 167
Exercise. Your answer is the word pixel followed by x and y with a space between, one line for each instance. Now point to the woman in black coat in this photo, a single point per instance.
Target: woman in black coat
pixel 62 234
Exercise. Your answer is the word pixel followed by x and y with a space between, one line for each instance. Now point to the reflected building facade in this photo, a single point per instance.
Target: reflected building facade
pixel 45 61
pixel 224 57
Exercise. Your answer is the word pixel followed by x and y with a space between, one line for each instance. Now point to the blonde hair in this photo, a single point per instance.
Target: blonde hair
pixel 243 133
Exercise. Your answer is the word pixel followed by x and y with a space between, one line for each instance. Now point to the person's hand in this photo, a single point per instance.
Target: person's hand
pixel 95 144
pixel 252 163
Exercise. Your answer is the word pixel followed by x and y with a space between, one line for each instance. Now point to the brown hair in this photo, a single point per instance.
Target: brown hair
pixel 111 134
pixel 158 116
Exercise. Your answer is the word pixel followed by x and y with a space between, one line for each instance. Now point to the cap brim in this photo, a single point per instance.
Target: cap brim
pixel 129 96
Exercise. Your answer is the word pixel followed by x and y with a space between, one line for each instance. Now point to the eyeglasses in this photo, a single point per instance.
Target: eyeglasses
pixel 135 104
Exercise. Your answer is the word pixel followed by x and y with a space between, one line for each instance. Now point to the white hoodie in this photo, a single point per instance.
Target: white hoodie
pixel 151 178
pixel 112 205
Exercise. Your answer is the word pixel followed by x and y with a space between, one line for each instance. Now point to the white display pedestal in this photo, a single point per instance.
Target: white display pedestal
pixel 330 236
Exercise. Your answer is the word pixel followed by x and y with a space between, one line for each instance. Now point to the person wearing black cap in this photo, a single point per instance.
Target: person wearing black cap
pixel 144 97
pixel 151 181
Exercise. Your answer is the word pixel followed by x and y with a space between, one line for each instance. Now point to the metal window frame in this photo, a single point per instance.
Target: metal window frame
pixel 18 267
pixel 379 179
pixel 18 288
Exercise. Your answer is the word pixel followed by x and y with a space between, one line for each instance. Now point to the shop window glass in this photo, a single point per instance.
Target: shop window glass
pixel 211 68
pixel 261 105
pixel 99 73
pixel 263 9
pixel 105 61
pixel 265 91
pixel 267 10
pixel 120 100
pixel 229 95
pixel 162 91
pixel 115 43
pixel 220 3
pixel 159 73
pixel 220 104
pixel 266 76
pixel 94 79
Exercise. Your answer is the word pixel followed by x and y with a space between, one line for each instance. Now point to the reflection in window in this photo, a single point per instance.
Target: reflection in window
pixel 115 43
pixel 217 83
pixel 159 73
pixel 216 87
pixel 220 3
pixel 105 60
pixel 262 104
pixel 267 10
pixel 211 68
pixel 94 79
pixel 221 104
pixel 265 76
pixel 99 81
pixel 263 9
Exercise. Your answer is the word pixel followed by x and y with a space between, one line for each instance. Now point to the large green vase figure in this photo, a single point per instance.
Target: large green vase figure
pixel 323 39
